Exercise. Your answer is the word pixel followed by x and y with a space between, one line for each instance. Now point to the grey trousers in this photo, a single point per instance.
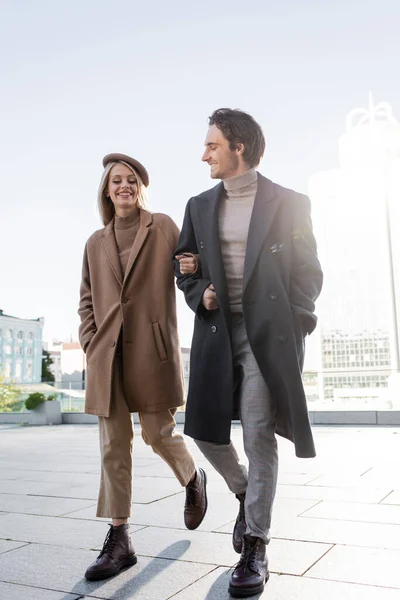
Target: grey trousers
pixel 257 416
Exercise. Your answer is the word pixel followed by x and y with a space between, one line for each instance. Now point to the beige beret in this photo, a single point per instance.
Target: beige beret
pixel 115 157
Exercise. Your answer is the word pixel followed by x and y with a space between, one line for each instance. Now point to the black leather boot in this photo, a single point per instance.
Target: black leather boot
pixel 117 554
pixel 240 526
pixel 251 572
pixel 196 500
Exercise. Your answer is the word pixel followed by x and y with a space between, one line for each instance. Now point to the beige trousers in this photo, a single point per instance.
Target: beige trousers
pixel 116 443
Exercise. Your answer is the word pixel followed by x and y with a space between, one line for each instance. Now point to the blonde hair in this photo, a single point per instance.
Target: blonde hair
pixel 105 205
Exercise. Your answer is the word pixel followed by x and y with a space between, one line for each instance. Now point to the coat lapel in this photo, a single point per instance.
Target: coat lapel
pixel 145 222
pixel 111 250
pixel 209 217
pixel 266 204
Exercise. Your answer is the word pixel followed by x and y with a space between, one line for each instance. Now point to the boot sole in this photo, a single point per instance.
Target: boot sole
pixel 245 592
pixel 129 562
pixel 206 499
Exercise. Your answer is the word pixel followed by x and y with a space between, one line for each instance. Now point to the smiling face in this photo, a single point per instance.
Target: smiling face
pixel 224 162
pixel 122 189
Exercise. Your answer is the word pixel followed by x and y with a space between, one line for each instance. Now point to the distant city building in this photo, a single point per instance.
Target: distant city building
pixel 73 365
pixel 54 350
pixel 21 349
pixel 356 215
pixel 354 361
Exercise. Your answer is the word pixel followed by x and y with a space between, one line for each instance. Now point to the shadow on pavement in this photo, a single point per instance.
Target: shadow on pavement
pixel 137 581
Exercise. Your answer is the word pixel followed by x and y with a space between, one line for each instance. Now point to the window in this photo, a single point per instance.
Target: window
pixel 9 334
pixel 29 351
pixel 8 369
pixel 20 335
pixel 31 336
pixel 29 370
pixel 18 370
pixel 7 349
pixel 18 350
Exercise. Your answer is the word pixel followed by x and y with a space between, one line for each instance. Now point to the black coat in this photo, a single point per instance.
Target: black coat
pixel 282 279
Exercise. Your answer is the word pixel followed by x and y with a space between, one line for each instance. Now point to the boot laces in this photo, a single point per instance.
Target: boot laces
pixel 109 543
pixel 248 556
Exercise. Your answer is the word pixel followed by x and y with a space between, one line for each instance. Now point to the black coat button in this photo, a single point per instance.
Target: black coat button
pixel 214 329
pixel 282 338
pixel 273 296
pixel 124 300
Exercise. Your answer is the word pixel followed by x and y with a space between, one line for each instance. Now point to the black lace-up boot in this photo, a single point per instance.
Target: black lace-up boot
pixel 117 554
pixel 251 572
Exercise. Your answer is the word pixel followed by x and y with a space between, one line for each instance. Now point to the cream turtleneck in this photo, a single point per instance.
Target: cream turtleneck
pixel 234 219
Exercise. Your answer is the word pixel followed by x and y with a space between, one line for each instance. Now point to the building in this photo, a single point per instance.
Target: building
pixel 355 361
pixel 356 215
pixel 21 349
pixel 54 350
pixel 73 365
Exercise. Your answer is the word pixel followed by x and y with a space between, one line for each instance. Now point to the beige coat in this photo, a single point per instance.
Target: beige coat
pixel 143 302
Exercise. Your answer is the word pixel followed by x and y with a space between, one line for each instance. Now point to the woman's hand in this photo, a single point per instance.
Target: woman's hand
pixel 188 263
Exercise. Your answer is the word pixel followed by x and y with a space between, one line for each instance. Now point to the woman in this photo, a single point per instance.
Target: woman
pixel 129 334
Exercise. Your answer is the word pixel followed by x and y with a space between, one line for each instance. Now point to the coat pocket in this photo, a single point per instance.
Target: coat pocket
pixel 159 340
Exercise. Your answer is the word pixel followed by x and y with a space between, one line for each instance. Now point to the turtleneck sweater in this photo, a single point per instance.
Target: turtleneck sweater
pixel 234 219
pixel 125 231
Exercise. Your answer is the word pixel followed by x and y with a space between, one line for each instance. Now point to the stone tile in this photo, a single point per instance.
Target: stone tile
pixel 151 578
pixel 169 512
pixel 61 477
pixel 295 478
pixel 392 498
pixel 352 511
pixel 215 548
pixel 384 476
pixel 161 469
pixel 12 474
pixel 285 509
pixel 202 547
pixel 12 591
pixel 145 490
pixel 87 514
pixel 40 505
pixel 346 481
pixel 214 586
pixel 369 566
pixel 7 546
pixel 373 535
pixel 28 487
pixel 340 494
pixel 53 466
pixel 53 530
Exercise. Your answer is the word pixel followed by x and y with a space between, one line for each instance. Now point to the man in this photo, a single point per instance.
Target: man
pixel 253 296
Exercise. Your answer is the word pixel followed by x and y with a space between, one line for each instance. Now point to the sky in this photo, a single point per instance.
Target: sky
pixel 79 80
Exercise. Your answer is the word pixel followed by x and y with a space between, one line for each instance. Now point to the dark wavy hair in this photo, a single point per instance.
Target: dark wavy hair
pixel 239 127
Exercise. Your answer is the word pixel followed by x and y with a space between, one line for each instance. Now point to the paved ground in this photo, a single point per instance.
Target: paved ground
pixel 336 528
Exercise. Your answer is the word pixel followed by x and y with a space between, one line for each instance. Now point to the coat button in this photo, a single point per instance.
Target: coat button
pixel 282 338
pixel 273 296
pixel 112 344
pixel 214 329
pixel 124 300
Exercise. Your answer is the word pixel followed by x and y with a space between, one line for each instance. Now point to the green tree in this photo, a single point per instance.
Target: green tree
pixel 47 361
pixel 10 396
